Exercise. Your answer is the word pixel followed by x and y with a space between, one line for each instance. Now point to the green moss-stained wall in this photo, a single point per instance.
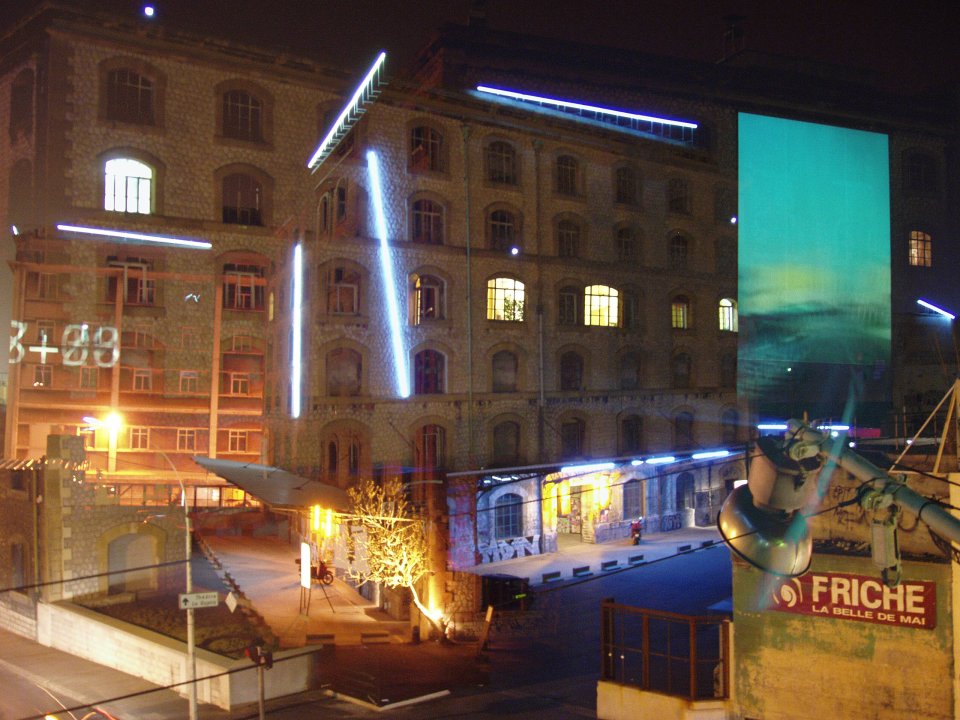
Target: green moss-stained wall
pixel 801 667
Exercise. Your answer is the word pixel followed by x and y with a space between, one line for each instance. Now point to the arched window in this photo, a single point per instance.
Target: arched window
pixel 427 226
pixel 130 97
pixel 568 238
pixel 501 161
pixel 571 371
pixel 683 431
pixel 428 299
pixel 680 312
pixel 128 186
pixel 568 175
pixel 506 298
pixel 429 372
pixel 920 175
pixel 678 196
pixel 601 306
pixel 502 230
pixel 426 149
pixel 343 291
pixel 631 434
pixel 568 306
pixel 508 516
pixel 573 433
pixel 344 372
pixel 632 507
pixel 682 371
pixel 21 105
pixel 629 371
pixel 626 186
pixel 729 320
pixel 430 447
pixel 242 200
pixel 728 370
pixel 729 426
pixel 921 249
pixel 628 248
pixel 242 116
pixel 243 285
pixel 506 443
pixel 679 251
pixel 504 370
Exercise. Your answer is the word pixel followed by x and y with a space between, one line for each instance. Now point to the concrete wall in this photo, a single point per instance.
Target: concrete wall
pixel 162 660
pixel 626 702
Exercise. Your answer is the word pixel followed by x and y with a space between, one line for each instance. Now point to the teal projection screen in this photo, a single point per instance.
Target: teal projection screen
pixel 814 268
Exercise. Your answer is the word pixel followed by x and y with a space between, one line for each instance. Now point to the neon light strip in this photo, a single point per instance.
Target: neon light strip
pixel 710 454
pixel 124 235
pixel 940 311
pixel 568 104
pixel 772 426
pixel 390 289
pixel 352 108
pixel 661 460
pixel 588 468
pixel 297 328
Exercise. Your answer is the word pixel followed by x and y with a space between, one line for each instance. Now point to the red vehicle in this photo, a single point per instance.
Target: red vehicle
pixel 636 528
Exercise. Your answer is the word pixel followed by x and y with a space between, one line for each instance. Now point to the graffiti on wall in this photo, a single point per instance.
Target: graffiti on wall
pixel 510 548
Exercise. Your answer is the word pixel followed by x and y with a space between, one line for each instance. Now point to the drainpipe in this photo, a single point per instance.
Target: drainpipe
pixel 541 402
pixel 465 130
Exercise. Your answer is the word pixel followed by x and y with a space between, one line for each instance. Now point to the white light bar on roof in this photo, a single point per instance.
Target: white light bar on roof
pixel 366 91
pixel 138 237
pixel 571 105
pixel 939 311
pixel 772 426
pixel 662 460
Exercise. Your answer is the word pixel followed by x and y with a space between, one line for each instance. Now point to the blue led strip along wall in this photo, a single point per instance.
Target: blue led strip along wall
pixel 390 289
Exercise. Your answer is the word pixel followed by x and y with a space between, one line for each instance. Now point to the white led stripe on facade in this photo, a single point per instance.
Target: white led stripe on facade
pixel 526 97
pixel 352 108
pixel 390 289
pixel 140 237
pixel 297 332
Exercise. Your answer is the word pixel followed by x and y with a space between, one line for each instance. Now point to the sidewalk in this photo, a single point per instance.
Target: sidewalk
pixel 577 559
pixel 266 571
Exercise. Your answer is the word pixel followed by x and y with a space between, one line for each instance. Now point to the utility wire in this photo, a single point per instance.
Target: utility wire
pixel 78 578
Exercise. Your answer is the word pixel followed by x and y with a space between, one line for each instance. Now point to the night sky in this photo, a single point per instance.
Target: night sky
pixel 911 44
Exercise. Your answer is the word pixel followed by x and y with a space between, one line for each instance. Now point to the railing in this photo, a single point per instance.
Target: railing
pixel 679 655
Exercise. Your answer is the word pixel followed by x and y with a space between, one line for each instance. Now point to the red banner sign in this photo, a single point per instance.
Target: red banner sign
pixel 858 597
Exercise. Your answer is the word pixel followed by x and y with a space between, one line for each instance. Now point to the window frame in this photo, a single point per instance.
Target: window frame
pixel 729 317
pixel 626 186
pixel 508 516
pixel 920 249
pixel 501 163
pixel 567 175
pixel 503 289
pixel 596 312
pixel 427 149
pixel 423 288
pixel 680 312
pixel 427 221
pixel 429 372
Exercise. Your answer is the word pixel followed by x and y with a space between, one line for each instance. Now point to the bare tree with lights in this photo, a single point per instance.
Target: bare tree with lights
pixel 393 542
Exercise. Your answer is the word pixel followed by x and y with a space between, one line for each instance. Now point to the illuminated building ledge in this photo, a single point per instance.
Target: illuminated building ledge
pixel 675 130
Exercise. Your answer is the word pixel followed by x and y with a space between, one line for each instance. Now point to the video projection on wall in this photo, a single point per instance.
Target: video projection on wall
pixel 814 269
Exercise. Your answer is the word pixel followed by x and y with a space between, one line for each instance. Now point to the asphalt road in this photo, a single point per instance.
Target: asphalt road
pixel 21 698
pixel 552 674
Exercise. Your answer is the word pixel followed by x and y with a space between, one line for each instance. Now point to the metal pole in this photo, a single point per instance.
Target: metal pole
pixel 260 689
pixel 191 657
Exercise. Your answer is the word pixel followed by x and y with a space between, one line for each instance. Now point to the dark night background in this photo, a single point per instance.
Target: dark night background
pixel 912 46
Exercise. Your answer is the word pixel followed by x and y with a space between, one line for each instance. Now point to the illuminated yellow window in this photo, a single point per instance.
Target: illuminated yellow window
pixel 921 246
pixel 505 299
pixel 680 313
pixel 729 321
pixel 601 305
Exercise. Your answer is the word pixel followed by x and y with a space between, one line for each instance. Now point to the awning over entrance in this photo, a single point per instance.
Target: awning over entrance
pixel 275 486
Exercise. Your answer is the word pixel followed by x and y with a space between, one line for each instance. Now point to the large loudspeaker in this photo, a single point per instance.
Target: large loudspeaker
pixel 762 522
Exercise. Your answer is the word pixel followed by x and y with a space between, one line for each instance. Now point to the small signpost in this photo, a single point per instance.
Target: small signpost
pixel 198 600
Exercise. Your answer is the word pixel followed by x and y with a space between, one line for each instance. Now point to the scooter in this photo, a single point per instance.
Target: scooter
pixel 636 528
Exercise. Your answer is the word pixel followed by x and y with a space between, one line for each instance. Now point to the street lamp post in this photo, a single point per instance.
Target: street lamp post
pixel 113 423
